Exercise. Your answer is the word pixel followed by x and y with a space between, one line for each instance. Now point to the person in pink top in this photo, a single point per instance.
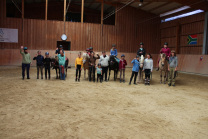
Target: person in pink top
pixel 165 50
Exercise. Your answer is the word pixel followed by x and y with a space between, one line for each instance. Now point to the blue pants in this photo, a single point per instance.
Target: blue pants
pixel 23 70
pixel 62 75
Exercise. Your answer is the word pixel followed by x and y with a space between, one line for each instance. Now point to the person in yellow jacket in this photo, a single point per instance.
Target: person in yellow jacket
pixel 78 66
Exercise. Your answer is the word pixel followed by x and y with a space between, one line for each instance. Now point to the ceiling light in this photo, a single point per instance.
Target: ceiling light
pixel 175 11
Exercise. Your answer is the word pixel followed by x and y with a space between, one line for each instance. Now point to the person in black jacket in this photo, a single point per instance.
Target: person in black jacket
pixel 39 62
pixel 141 50
pixel 47 63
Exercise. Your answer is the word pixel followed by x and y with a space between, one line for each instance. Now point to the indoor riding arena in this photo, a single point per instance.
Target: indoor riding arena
pixel 79 41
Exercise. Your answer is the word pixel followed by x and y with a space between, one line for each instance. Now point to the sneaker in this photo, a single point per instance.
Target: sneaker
pixel 76 80
pixel 169 84
pixel 135 83
pixel 123 81
pixel 28 78
pixel 120 81
pixel 37 77
pixel 173 85
pixel 129 83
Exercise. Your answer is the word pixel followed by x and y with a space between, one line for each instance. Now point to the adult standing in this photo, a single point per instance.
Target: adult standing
pixel 92 63
pixel 141 50
pixel 62 60
pixel 26 61
pixel 104 61
pixel 166 51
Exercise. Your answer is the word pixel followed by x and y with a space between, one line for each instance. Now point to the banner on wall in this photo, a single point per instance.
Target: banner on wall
pixel 8 35
pixel 192 39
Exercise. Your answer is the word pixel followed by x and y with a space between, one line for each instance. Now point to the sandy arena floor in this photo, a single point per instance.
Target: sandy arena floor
pixel 43 109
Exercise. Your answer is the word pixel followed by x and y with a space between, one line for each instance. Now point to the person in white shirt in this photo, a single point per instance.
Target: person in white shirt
pixel 147 68
pixel 104 61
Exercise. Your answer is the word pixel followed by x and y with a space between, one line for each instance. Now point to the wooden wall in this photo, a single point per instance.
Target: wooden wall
pixel 43 35
pixel 188 26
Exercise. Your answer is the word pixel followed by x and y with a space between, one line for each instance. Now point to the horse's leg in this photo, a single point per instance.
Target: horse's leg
pixel 84 73
pixel 109 74
pixel 141 78
pixel 161 76
pixel 66 72
pixel 165 77
pixel 56 73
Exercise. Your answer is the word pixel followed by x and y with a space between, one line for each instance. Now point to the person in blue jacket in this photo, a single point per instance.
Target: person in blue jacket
pixel 39 63
pixel 114 52
pixel 135 69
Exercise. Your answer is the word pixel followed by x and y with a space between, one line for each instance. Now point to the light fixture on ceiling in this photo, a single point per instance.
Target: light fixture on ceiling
pixel 140 3
pixel 175 11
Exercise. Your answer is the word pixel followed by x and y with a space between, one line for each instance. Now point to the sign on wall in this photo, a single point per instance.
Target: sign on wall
pixel 8 35
pixel 192 39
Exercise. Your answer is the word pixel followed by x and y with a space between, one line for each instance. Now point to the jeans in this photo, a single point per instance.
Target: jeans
pixel 105 71
pixel 23 70
pixel 41 70
pixel 78 71
pixel 171 76
pixel 92 73
pixel 122 71
pixel 62 75
pixel 134 74
pixel 99 76
pixel 48 69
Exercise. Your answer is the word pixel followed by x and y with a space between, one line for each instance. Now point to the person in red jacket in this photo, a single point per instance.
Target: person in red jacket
pixel 122 66
pixel 166 51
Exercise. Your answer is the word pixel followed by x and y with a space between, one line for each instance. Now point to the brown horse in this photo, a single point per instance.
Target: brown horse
pixel 163 67
pixel 86 59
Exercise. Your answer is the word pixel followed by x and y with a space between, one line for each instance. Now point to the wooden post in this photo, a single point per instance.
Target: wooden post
pixel 64 10
pixel 46 10
pixel 23 15
pixel 102 5
pixel 82 15
pixel 178 39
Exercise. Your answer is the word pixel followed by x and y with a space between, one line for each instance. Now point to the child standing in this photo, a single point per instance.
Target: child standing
pixel 26 61
pixel 147 68
pixel 122 66
pixel 135 69
pixel 99 73
pixel 39 63
pixel 62 61
pixel 47 63
pixel 172 68
pixel 78 66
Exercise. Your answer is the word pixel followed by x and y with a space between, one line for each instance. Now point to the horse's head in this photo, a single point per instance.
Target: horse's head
pixel 163 58
pixel 112 60
pixel 141 61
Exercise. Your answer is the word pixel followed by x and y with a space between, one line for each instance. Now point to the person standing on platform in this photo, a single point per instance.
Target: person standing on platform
pixel 26 61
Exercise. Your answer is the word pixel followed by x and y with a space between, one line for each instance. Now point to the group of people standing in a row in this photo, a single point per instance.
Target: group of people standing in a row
pixel 103 64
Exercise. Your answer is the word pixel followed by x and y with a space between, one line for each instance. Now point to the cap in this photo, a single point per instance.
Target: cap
pixel 172 51
pixel 25 48
pixel 137 56
pixel 165 43
pixel 47 53
pixel 60 46
pixel 91 48
pixel 113 45
pixel 99 64
pixel 141 43
pixel 122 55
